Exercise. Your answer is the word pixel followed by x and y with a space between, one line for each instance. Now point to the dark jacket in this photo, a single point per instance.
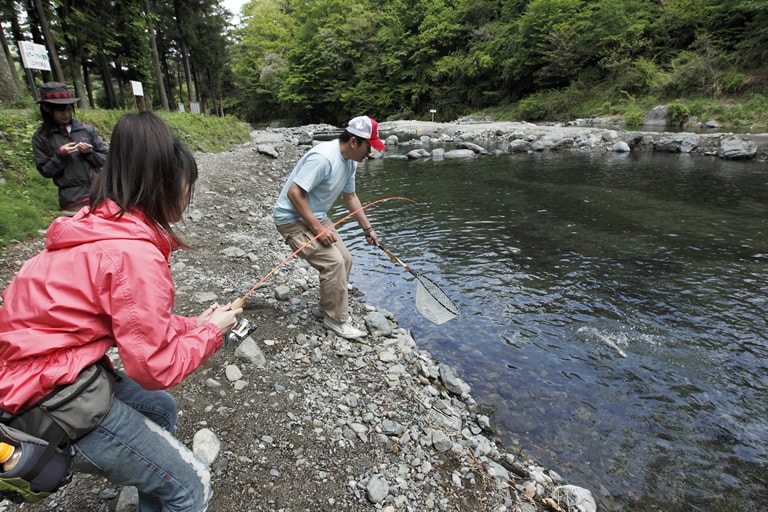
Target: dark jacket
pixel 73 174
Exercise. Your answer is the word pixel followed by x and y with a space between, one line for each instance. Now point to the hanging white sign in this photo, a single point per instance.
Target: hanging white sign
pixel 34 56
pixel 138 89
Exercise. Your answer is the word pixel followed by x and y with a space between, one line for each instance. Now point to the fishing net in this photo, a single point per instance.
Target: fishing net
pixel 432 302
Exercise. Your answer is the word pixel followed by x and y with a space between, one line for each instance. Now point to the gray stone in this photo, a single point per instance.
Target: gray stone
pixel 575 498
pixel 206 445
pixel 519 146
pixel 478 150
pixel 377 488
pixel 459 153
pixel 620 147
pixel 657 117
pixel 233 252
pixel 268 149
pixel 417 153
pixel 204 297
pixel 440 441
pixel 233 373
pixel 305 138
pixel 736 148
pixel 282 292
pixel 250 352
pixel 127 500
pixel 378 324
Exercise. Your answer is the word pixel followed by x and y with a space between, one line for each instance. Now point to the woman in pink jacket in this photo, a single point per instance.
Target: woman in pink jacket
pixel 102 281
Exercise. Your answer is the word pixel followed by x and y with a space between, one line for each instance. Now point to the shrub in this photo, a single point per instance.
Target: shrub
pixel 533 108
pixel 678 113
pixel 634 116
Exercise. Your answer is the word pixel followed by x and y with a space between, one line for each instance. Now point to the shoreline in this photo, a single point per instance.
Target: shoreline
pixel 520 136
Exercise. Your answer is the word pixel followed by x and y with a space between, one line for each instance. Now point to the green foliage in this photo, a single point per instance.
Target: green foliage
pixel 732 81
pixel 28 202
pixel 533 108
pixel 678 113
pixel 330 59
pixel 633 116
pixel 207 133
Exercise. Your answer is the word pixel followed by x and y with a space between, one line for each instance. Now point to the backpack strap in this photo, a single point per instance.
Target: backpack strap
pixel 53 444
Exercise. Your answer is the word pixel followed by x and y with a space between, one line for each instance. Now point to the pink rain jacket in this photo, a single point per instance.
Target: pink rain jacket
pixel 99 283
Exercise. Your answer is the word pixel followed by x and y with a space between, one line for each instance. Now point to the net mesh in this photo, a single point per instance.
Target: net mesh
pixel 432 302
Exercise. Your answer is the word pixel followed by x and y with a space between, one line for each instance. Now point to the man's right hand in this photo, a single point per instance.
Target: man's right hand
pixel 327 238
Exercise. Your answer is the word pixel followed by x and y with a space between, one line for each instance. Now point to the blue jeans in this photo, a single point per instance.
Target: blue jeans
pixel 135 446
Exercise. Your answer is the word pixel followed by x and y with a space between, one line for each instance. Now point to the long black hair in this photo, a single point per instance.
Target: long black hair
pixel 147 169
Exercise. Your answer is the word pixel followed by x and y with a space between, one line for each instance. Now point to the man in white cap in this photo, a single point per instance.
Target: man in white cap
pixel 301 212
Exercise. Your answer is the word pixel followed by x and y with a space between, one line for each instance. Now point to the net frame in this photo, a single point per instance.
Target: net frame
pixel 432 302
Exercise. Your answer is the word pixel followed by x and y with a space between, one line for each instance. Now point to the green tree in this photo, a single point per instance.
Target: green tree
pixel 333 35
pixel 753 45
pixel 258 57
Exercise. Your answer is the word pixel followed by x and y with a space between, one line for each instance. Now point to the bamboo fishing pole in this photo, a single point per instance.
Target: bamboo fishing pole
pixel 239 302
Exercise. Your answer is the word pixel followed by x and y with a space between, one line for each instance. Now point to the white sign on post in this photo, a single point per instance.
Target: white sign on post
pixel 138 89
pixel 34 56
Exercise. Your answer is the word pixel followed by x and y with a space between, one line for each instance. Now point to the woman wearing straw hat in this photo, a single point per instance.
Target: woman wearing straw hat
pixel 66 150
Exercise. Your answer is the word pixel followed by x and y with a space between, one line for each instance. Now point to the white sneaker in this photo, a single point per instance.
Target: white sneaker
pixel 345 330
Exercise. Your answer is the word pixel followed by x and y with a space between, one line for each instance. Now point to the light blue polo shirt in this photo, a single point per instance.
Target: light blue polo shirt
pixel 324 174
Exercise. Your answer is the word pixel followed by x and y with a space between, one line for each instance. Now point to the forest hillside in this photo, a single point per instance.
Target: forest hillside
pixel 326 60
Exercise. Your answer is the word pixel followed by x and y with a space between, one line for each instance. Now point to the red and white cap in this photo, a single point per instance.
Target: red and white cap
pixel 367 128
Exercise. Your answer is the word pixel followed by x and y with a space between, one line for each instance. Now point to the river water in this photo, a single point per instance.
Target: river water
pixel 613 316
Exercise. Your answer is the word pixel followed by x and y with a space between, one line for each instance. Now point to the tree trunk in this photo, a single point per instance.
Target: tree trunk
pixel 106 78
pixel 179 74
pixel 121 96
pixel 159 78
pixel 17 86
pixel 87 81
pixel 37 38
pixel 8 90
pixel 75 65
pixel 50 44
pixel 169 92
pixel 177 9
pixel 74 47
pixel 187 72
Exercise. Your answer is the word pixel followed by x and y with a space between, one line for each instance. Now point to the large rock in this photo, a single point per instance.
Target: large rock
pixel 657 118
pixel 736 148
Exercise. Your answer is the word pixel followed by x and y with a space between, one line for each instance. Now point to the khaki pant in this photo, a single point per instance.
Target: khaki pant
pixel 333 262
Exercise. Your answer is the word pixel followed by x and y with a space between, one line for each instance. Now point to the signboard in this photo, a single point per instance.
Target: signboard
pixel 34 56
pixel 138 90
pixel 194 106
